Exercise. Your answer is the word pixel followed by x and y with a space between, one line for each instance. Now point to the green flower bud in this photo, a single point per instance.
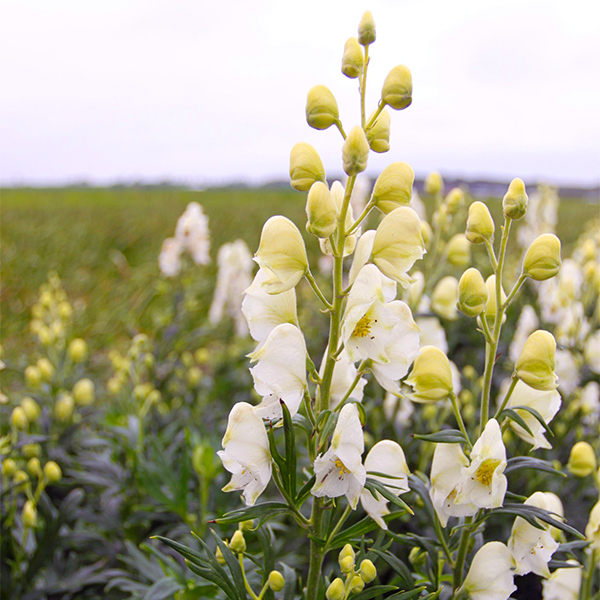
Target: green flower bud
pixel 9 467
pixel 33 376
pixel 514 203
pixel 542 259
pixel 46 369
pixel 472 293
pixel 347 564
pixel 305 167
pixel 18 418
pixel 84 392
pixel 378 135
pixel 52 472
pixel 355 151
pixel 537 361
pixel 444 298
pixel 219 556
pixel 458 250
pixel 433 184
pixel 34 467
pixel 366 29
pixel 335 591
pixel 454 200
pixel 29 515
pixel 32 409
pixel 78 350
pixel 65 310
pixel 246 525
pixel 426 233
pixel 480 225
pixel 357 585
pixel 321 107
pixel 321 211
pixel 431 376
pixel 238 543
pixel 397 88
pixel 582 461
pixel 346 551
pixel 276 581
pixel 20 477
pixel 490 306
pixel 417 557
pixel 368 572
pixel 63 409
pixel 31 450
pixel 353 59
pixel 393 187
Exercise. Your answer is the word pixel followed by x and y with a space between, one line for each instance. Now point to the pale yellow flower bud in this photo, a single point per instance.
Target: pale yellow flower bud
pixel 57 329
pixel 353 59
pixel 321 107
pixel 305 167
pixel 431 376
pixel 444 298
pixel 52 472
pixel 65 310
pixel 282 254
pixel 347 564
pixel 238 543
pixel 335 591
pixel 9 467
pixel 472 293
pixel 29 515
pixel 346 551
pixel 63 409
pixel 454 200
pixel 355 151
pixel 542 259
pixel 357 585
pixel 514 203
pixel 46 369
pixel 32 409
pixel 397 88
pixel 582 461
pixel 378 135
pixel 45 336
pixel 18 418
pixel 20 477
pixel 366 29
pixel 219 556
pixel 84 392
pixel 490 307
pixel 458 250
pixel 38 311
pixel 31 450
pixel 276 581
pixel 480 225
pixel 46 299
pixel 194 376
pixel 368 572
pixel 537 361
pixel 426 233
pixel 393 187
pixel 321 211
pixel 34 467
pixel 433 184
pixel 78 350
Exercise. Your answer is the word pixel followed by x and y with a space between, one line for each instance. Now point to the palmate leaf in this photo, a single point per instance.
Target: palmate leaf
pixel 445 436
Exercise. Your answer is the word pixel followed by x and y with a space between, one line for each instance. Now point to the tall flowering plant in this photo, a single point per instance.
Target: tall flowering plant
pixel 305 437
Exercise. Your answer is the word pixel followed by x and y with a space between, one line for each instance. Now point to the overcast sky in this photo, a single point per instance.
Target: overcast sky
pixel 211 92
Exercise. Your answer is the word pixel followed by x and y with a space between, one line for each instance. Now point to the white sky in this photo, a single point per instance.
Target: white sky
pixel 210 92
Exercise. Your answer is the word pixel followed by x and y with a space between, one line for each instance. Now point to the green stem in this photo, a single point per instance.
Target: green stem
pixel 465 536
pixel 511 389
pixel 338 124
pixel 246 584
pixel 514 291
pixel 362 217
pixel 459 420
pixel 363 87
pixel 338 525
pixel 490 248
pixel 317 290
pixel 585 592
pixel 374 116
pixel 359 374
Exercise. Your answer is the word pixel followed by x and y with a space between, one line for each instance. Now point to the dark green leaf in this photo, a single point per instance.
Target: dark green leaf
pixel 376 487
pixel 509 413
pixel 445 436
pixel 266 510
pixel 397 565
pixel 376 590
pixel 290 449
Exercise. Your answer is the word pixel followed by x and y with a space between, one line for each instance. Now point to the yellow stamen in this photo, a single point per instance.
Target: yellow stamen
pixel 485 472
pixel 363 327
pixel 341 466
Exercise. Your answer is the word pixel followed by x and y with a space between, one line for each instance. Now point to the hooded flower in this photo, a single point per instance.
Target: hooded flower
pixel 264 311
pixel 340 472
pixel 563 584
pixel 246 453
pixel 592 529
pixel 280 373
pixel 344 373
pixel 169 259
pixel 192 232
pixel 483 482
pixel 490 576
pixel 446 469
pixel 531 547
pixel 385 457
pixel 546 402
pixel 338 192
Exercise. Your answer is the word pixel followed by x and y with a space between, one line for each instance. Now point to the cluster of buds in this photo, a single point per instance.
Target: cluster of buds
pixel 356 578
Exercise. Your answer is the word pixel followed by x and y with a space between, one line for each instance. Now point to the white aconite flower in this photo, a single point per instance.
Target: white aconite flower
pixel 567 371
pixel 490 576
pixel 563 584
pixel 432 333
pixel 344 373
pixel 531 547
pixel 280 373
pixel 169 259
pixel 448 462
pixel 235 268
pixel 592 529
pixel 246 453
pixel 592 351
pixel 589 402
pixel 264 311
pixel 545 402
pixel 362 254
pixel 526 325
pixel 192 232
pixel 483 482
pixel 385 457
pixel 340 472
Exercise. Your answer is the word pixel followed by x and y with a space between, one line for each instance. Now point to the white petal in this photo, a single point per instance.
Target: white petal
pixel 490 576
pixel 362 254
